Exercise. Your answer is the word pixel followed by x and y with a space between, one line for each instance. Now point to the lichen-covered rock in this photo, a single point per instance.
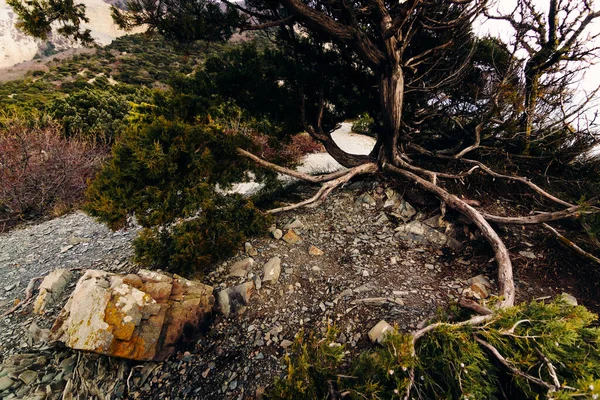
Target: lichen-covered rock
pixel 138 317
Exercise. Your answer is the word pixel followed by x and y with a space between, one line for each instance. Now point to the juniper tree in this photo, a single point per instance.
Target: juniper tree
pixel 414 54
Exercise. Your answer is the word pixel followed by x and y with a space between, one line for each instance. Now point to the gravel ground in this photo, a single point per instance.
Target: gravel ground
pixel 71 241
pixel 364 275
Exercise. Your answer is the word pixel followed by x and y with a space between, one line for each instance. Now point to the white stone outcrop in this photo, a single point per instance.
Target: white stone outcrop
pixel 139 317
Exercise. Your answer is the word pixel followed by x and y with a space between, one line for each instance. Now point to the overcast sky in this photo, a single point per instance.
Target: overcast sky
pixel 503 30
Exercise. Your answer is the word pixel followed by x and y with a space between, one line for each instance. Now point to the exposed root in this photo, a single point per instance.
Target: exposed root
pixel 571 212
pixel 567 243
pixel 505 273
pixel 328 186
pixel 475 306
pixel 434 175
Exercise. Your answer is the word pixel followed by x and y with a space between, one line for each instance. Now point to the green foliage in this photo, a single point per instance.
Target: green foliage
pixel 449 363
pixel 95 114
pixel 37 18
pixel 191 246
pixel 165 173
pixel 363 124
pixel 310 365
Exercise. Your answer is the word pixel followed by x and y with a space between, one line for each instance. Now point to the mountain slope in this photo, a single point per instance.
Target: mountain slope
pixel 16 47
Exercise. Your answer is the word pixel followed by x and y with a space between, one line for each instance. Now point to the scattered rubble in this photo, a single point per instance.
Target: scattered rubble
pixel 354 270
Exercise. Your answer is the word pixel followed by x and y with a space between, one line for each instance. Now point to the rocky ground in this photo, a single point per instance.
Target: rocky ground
pixel 356 263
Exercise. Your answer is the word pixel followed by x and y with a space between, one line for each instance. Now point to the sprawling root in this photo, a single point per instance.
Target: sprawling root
pixel 418 175
pixel 291 172
pixel 328 186
pixel 330 181
pixel 505 274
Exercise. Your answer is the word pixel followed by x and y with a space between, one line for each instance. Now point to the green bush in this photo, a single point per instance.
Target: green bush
pixel 166 174
pixel 453 361
pixel 363 125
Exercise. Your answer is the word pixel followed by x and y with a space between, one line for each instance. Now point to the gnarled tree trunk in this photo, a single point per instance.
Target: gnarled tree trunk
pixel 391 98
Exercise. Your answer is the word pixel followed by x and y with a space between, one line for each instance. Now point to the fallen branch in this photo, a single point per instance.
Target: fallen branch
pixel 567 243
pixel 505 273
pixel 570 212
pixel 28 296
pixel 328 186
pixel 514 370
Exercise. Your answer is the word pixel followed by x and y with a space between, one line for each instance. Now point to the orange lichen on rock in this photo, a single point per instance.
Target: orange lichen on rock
pixel 139 317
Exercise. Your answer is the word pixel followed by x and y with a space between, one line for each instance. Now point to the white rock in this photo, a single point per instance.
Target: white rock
pixel 272 270
pixel 569 299
pixel 378 332
pixel 295 224
pixel 51 289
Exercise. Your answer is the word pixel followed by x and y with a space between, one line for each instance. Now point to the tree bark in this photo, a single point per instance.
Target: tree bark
pixel 532 80
pixel 392 94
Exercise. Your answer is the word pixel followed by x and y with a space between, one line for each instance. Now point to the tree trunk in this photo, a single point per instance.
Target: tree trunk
pixel 532 80
pixel 392 94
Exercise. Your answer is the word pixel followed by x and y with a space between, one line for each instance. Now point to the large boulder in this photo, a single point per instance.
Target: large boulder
pixel 139 317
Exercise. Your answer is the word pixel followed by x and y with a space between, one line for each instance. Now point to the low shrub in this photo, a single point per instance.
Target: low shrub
pixel 363 125
pixel 166 174
pixel 548 350
pixel 42 173
pixel 289 153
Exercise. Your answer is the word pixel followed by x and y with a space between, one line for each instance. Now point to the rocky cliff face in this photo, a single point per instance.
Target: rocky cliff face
pixel 16 47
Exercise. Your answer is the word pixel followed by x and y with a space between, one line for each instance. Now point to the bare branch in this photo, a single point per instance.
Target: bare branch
pixel 328 186
pixel 514 370
pixel 291 172
pixel 567 243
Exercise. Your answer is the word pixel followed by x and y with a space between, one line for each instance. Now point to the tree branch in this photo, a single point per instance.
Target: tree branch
pixel 328 186
pixel 567 243
pixel 291 172
pixel 514 370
